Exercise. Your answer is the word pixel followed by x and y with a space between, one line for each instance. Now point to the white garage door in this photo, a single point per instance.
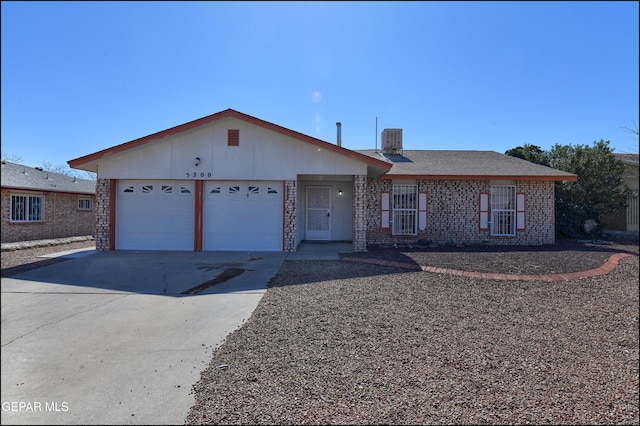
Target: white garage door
pixel 155 215
pixel 242 216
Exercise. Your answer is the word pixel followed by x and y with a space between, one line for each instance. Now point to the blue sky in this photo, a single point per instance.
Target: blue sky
pixel 78 77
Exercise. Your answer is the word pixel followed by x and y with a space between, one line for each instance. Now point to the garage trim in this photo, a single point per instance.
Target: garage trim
pixel 197 228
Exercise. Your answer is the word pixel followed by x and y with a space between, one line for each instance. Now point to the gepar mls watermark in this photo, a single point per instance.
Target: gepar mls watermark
pixel 35 406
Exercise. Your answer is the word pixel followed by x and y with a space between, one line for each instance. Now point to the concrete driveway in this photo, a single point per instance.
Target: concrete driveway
pixel 120 337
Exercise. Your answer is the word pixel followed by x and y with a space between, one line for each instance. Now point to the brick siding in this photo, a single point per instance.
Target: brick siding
pixel 359 213
pixel 61 218
pixel 290 215
pixel 453 214
pixel 103 187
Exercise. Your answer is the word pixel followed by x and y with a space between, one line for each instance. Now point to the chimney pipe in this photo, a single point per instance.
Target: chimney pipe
pixel 339 125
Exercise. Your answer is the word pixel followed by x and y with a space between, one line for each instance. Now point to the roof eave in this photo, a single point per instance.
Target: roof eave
pixel 60 191
pixel 480 177
pixel 81 162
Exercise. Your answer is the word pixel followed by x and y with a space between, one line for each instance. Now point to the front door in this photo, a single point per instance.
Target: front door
pixel 318 213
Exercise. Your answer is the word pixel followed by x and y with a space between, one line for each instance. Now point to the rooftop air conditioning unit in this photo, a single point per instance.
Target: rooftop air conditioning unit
pixel 392 141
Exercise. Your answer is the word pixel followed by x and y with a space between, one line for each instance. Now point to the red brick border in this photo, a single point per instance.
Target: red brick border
pixel 605 268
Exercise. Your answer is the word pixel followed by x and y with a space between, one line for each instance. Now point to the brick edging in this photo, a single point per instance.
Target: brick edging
pixel 605 268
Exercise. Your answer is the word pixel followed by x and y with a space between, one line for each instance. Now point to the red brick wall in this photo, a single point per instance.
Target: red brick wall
pixel 61 218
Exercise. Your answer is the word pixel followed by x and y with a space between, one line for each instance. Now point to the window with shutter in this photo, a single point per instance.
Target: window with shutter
pixel 405 209
pixel 503 210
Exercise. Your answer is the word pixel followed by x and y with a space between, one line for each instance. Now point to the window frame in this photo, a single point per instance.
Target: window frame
pixel 85 199
pixel 503 209
pixel 402 214
pixel 27 213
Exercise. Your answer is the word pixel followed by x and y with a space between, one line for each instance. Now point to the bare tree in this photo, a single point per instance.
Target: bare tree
pixel 65 170
pixel 60 169
pixel 89 176
pixel 11 157
pixel 634 131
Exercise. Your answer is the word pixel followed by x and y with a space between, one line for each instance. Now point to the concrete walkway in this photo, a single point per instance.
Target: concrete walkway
pixel 606 267
pixel 320 251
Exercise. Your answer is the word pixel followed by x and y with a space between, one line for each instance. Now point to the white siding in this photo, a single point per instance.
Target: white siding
pixel 262 155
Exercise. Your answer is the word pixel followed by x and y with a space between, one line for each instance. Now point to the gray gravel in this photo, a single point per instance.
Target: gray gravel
pixel 335 342
pixel 15 261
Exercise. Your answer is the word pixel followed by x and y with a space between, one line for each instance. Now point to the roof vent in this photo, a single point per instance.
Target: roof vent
pixel 392 141
pixel 39 168
pixel 339 136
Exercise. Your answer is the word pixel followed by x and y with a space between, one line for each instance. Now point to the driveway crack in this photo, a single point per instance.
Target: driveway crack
pixel 62 319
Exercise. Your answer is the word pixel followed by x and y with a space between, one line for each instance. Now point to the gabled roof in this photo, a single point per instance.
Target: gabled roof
pixel 631 159
pixel 18 176
pixel 465 165
pixel 78 163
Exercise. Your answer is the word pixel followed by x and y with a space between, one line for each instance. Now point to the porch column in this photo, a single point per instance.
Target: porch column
pixel 103 215
pixel 289 227
pixel 359 213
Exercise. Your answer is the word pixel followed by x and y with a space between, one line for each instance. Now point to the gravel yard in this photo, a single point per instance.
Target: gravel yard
pixel 17 261
pixel 335 342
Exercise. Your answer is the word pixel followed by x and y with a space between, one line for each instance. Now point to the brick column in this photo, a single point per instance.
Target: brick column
pixel 290 215
pixel 103 192
pixel 359 213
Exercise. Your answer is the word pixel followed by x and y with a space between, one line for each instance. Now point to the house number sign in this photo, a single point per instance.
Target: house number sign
pixel 200 175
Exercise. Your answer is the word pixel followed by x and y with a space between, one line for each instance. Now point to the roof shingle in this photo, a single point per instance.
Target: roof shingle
pixel 18 176
pixel 452 164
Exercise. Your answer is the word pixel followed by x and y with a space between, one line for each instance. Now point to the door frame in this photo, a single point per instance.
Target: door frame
pixel 317 237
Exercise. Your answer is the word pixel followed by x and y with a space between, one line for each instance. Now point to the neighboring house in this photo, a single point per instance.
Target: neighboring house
pixel 230 181
pixel 627 219
pixel 37 204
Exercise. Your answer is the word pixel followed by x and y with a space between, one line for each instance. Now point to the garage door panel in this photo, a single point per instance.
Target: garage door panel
pixel 242 216
pixel 163 225
pixel 155 241
pixel 155 215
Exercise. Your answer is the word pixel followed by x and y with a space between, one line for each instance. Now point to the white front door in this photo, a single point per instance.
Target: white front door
pixel 318 213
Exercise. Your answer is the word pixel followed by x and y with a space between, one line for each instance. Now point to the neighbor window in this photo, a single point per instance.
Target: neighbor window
pixel 503 210
pixel 85 203
pixel 405 209
pixel 26 208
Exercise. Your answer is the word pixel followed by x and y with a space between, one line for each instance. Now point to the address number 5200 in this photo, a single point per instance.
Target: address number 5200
pixel 198 174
